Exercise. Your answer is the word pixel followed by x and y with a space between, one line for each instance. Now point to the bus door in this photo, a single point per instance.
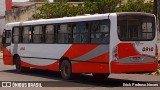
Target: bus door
pixel 6 40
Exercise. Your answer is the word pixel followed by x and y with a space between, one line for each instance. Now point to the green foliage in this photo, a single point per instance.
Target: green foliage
pixel 58 10
pixel 105 6
pixel 136 6
pixel 38 0
pixel 62 9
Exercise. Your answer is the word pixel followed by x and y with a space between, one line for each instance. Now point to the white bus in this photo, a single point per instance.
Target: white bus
pixel 99 44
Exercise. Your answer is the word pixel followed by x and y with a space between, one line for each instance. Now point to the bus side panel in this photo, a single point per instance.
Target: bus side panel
pixel 42 56
pixel 84 58
pixel 132 56
pixel 98 64
pixel 133 68
pixel 134 60
pixel 85 67
pixel 53 66
pixel 87 58
pixel 7 57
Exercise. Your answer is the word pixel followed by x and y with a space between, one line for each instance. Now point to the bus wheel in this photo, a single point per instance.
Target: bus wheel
pixel 66 70
pixel 100 76
pixel 20 68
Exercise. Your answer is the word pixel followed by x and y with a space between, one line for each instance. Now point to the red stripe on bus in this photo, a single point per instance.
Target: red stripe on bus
pixel 127 49
pixel 101 65
pixel 78 50
pixel 133 68
pixel 54 66
pixel 7 57
pixel 87 67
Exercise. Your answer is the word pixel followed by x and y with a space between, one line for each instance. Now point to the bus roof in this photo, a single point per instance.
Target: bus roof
pixel 85 17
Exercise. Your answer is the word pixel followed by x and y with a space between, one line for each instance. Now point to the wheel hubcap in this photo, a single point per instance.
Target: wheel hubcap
pixel 66 70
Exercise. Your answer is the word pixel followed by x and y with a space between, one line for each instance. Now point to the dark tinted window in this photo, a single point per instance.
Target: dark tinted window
pixel 100 32
pixel 16 34
pixel 50 34
pixel 81 32
pixel 64 33
pixel 26 34
pixel 38 36
pixel 7 36
pixel 136 28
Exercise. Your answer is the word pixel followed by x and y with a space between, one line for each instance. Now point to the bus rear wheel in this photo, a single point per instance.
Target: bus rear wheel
pixel 66 70
pixel 20 68
pixel 100 76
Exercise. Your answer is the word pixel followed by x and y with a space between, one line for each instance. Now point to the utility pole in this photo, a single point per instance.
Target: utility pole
pixel 157 13
pixel 155 7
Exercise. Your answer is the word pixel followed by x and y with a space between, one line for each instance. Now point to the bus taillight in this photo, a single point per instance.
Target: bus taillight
pixel 115 53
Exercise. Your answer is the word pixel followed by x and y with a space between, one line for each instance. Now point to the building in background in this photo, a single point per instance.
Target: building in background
pixel 2 14
pixel 4 6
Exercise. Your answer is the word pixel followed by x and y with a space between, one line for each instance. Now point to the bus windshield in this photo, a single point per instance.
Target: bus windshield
pixel 136 28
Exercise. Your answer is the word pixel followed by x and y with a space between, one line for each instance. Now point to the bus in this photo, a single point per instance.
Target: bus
pixel 99 44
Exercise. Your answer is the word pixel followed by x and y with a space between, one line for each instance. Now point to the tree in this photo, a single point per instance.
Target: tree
pixel 62 9
pixel 105 6
pixel 77 0
pixel 136 6
pixel 38 0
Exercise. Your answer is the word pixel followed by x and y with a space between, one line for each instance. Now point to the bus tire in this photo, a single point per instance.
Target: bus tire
pixel 100 76
pixel 66 70
pixel 20 68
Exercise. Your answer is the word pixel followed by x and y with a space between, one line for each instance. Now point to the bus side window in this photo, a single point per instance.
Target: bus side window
pixel 80 31
pixel 50 33
pixel 8 36
pixel 104 30
pixel 16 34
pixel 64 33
pixel 100 32
pixel 37 34
pixel 26 35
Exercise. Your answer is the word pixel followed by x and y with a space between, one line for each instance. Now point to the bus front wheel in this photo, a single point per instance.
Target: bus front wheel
pixel 66 70
pixel 20 68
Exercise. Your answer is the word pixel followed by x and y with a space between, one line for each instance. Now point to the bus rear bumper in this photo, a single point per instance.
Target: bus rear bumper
pixel 133 68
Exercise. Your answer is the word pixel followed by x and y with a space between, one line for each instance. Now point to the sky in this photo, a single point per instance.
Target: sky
pixel 26 0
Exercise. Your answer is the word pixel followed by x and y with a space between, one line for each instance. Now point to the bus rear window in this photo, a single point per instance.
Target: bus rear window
pixel 136 28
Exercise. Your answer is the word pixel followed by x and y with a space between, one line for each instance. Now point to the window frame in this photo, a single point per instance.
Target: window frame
pixel 109 23
pixel 26 34
pixel 141 21
pixel 42 41
pixel 5 38
pixel 19 36
pixel 56 32
pixel 81 33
